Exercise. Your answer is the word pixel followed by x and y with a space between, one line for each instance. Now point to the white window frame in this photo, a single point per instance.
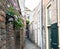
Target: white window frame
pixel 47 37
pixel 58 22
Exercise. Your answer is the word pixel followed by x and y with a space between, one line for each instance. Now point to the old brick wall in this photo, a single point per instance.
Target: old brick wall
pixel 7 32
pixel 10 38
pixel 2 30
pixel 53 11
pixel 7 39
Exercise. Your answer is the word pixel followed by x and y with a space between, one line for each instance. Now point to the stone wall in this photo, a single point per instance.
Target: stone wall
pixel 10 38
pixel 7 32
pixel 7 39
pixel 2 30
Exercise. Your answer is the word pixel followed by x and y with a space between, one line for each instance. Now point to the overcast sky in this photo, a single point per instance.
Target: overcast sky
pixel 31 4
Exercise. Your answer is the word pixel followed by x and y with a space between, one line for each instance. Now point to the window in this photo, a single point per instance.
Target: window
pixel 48 24
pixel 49 14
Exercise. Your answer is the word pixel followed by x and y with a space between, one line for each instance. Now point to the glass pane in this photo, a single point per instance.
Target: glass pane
pixel 49 15
pixel 49 34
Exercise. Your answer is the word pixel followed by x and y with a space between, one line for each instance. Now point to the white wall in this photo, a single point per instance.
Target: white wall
pixel 37 26
pixel 40 29
pixel 22 6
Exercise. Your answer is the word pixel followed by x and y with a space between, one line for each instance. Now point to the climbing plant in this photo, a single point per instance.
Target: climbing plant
pixel 27 21
pixel 0 0
pixel 18 23
pixel 12 11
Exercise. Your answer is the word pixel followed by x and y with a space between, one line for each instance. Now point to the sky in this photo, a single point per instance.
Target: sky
pixel 31 4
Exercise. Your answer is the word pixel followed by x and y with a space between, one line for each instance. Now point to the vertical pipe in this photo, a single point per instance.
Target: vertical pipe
pixel 42 22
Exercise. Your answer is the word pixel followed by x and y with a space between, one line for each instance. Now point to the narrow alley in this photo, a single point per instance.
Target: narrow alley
pixel 29 24
pixel 30 45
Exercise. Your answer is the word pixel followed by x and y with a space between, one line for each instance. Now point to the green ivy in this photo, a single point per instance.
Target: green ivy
pixel 0 0
pixel 12 11
pixel 18 23
pixel 27 21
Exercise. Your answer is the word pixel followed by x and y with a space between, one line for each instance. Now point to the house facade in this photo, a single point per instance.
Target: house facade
pixel 51 23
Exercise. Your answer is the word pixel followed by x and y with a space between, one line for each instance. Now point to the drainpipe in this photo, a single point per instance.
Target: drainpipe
pixel 42 22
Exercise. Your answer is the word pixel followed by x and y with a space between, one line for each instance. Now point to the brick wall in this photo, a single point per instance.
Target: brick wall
pixel 53 15
pixel 7 32
pixel 2 30
pixel 7 40
pixel 53 11
pixel 10 38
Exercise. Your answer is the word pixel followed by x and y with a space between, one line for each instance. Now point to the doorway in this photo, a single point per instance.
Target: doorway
pixel 53 36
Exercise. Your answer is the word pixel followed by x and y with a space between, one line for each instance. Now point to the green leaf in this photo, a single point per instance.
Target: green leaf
pixel 19 23
pixel 27 21
pixel 12 11
pixel 0 0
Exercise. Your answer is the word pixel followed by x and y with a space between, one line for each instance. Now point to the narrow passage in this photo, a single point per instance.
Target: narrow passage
pixel 30 45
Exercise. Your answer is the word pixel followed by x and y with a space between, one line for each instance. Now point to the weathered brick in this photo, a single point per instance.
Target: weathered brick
pixel 4 47
pixel 0 31
pixel 3 31
pixel 2 19
pixel 2 25
pixel 4 42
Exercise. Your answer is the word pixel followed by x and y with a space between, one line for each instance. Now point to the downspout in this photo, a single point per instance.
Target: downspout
pixel 42 21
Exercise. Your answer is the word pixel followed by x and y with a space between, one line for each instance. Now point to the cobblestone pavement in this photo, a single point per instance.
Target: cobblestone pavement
pixel 30 45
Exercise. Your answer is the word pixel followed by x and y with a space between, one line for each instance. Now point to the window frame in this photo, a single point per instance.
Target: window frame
pixel 47 35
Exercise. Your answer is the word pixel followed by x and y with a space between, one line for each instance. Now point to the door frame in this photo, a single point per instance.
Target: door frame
pixel 47 37
pixel 58 6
